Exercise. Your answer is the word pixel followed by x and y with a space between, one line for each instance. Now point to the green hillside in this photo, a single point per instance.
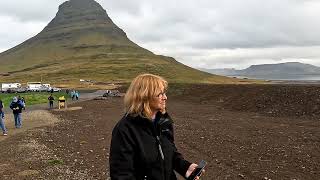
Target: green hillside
pixel 82 42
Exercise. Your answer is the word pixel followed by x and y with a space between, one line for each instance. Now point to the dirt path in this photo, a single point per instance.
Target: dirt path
pixel 23 143
pixel 29 116
pixel 30 121
pixel 83 97
pixel 236 144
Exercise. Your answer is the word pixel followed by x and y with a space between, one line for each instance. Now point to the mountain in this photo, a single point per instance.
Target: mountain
pixel 293 68
pixel 223 72
pixel 288 70
pixel 82 42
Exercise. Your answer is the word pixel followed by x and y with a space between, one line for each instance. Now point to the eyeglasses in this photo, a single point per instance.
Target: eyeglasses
pixel 162 94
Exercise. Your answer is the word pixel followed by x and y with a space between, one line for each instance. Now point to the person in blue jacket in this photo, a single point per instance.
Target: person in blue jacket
pixel 17 106
pixel 77 94
pixel 2 125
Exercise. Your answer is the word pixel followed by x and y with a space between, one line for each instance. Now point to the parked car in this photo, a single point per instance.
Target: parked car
pixel 21 90
pixel 54 89
pixel 11 90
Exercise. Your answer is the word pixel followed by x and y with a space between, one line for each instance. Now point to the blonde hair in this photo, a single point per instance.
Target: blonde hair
pixel 142 90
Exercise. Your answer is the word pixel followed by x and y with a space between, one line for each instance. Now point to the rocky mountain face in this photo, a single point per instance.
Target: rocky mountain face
pixel 80 24
pixel 82 42
pixel 79 18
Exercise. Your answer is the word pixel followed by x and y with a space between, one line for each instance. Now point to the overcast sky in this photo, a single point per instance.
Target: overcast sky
pixel 202 33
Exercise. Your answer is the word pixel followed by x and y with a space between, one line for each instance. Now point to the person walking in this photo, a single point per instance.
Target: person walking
pixel 51 99
pixel 73 95
pixel 77 95
pixel 142 144
pixel 23 102
pixel 2 124
pixel 17 106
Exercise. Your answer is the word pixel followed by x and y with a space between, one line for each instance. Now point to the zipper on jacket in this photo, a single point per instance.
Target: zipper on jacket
pixel 160 148
pixel 156 133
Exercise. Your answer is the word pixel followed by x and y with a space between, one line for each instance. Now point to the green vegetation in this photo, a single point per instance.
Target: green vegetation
pixel 116 67
pixel 31 98
pixel 55 162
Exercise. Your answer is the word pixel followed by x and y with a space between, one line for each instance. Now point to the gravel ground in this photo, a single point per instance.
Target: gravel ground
pixel 242 131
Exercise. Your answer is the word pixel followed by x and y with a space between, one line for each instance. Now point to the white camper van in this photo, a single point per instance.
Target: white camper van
pixel 37 86
pixel 34 86
pixel 9 86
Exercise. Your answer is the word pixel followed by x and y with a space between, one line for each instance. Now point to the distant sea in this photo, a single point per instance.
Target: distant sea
pixel 282 77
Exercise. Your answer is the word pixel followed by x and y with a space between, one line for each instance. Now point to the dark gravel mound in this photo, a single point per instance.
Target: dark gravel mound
pixel 272 100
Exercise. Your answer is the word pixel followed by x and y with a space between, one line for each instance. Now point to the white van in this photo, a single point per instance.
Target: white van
pixel 34 86
pixel 9 86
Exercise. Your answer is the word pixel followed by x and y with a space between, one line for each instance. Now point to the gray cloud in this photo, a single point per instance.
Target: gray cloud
pixel 209 33
pixel 243 58
pixel 231 24
pixel 33 10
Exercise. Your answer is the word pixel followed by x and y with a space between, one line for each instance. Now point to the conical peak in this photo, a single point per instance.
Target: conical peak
pixel 83 22
pixel 80 5
pixel 76 8
pixel 75 12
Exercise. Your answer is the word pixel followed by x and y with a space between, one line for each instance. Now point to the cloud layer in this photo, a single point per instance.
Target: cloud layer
pixel 206 33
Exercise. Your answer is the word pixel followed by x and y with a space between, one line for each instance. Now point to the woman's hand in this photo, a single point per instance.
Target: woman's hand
pixel 191 168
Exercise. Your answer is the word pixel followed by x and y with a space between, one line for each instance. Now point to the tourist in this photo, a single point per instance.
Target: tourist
pixel 142 145
pixel 2 125
pixel 23 102
pixel 17 106
pixel 51 99
pixel 77 94
pixel 73 94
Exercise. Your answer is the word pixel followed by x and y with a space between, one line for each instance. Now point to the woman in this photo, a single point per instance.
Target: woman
pixel 142 145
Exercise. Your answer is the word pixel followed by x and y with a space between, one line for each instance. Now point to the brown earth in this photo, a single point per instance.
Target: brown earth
pixel 242 131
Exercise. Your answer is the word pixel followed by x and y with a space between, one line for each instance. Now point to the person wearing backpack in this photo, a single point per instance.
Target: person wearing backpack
pixel 17 106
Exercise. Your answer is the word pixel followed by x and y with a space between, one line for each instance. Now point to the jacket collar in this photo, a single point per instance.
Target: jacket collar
pixel 161 119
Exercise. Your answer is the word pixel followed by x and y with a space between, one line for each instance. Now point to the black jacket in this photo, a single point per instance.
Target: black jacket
pixel 18 107
pixel 135 153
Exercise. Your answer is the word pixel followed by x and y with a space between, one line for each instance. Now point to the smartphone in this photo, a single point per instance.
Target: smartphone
pixel 198 170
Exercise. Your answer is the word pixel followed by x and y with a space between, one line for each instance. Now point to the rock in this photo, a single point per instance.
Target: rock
pixel 241 175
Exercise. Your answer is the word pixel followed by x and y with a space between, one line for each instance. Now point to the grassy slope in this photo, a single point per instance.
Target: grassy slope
pixel 92 56
pixel 114 67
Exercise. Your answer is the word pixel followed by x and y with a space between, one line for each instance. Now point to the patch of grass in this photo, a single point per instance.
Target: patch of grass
pixel 54 162
pixel 31 98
